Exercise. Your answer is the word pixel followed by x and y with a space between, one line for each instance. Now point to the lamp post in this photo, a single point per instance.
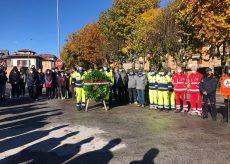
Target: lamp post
pixel 58 27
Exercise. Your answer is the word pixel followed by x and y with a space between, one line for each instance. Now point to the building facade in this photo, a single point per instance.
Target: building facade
pixel 26 58
pixel 48 61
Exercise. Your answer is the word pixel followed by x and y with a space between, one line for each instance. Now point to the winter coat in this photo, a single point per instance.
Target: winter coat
pixel 121 79
pixel 32 79
pixel 22 78
pixel 41 78
pixel 132 81
pixel 54 77
pixel 209 85
pixel 141 82
pixel 67 81
pixel 61 81
pixel 3 78
pixel 48 80
pixel 14 77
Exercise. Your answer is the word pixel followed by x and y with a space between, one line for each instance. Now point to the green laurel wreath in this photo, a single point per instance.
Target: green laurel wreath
pixel 96 92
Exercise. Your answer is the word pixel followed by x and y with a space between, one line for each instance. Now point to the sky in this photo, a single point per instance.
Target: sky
pixel 32 24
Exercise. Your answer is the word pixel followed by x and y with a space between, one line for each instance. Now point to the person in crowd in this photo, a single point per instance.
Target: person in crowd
pixel 54 83
pixel 61 86
pixel 114 87
pixel 14 80
pixel 121 80
pixel 141 82
pixel 132 87
pixel 208 87
pixel 33 67
pixel 194 80
pixel 41 81
pixel 67 85
pixel 225 92
pixel 152 81
pixel 80 93
pixel 163 85
pixel 180 89
pixel 172 104
pixel 3 80
pixel 22 82
pixel 48 83
pixel 109 74
pixel 72 85
pixel 32 83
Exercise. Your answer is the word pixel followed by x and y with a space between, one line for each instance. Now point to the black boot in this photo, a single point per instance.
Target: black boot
pixel 204 115
pixel 214 112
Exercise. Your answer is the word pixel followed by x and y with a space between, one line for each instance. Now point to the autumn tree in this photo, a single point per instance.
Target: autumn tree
pixel 84 46
pixel 205 22
pixel 117 24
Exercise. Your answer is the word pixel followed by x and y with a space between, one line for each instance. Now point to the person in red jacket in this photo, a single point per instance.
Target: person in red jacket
pixel 180 89
pixel 195 95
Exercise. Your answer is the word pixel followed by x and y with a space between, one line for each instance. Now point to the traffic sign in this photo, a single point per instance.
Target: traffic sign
pixel 59 63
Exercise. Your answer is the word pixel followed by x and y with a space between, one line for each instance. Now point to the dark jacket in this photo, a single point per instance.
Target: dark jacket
pixel 67 81
pixel 121 79
pixel 41 78
pixel 61 81
pixel 3 78
pixel 32 79
pixel 22 78
pixel 14 77
pixel 209 85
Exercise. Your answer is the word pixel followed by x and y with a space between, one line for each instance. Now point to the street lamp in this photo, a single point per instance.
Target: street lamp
pixel 58 27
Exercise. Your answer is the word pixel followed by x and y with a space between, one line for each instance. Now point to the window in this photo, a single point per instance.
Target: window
pixel 23 63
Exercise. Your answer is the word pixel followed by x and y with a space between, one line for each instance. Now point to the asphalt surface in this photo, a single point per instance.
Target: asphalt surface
pixel 55 132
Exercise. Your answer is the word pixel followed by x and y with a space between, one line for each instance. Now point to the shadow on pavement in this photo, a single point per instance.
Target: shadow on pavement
pixel 148 157
pixel 25 139
pixel 16 102
pixel 45 152
pixel 18 110
pixel 101 156
pixel 21 127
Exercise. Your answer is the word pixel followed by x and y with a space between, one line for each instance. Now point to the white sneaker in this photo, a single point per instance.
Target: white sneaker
pixel 199 113
pixel 151 107
pixel 136 103
pixel 193 113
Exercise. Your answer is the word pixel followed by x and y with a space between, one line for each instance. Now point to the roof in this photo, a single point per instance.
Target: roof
pixel 49 57
pixel 26 50
pixel 23 56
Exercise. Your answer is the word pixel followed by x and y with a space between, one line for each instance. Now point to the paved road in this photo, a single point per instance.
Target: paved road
pixel 54 132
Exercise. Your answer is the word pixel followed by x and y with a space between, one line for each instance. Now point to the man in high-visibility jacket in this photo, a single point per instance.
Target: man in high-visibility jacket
pixel 109 74
pixel 172 104
pixel 163 90
pixel 152 80
pixel 80 93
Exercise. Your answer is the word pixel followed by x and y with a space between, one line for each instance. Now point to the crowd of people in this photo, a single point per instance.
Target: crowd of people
pixel 160 89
